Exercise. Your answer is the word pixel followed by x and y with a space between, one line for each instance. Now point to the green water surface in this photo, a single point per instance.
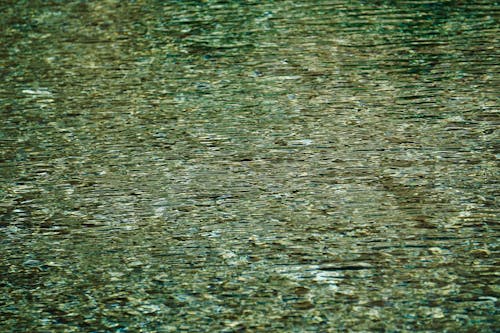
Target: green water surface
pixel 249 166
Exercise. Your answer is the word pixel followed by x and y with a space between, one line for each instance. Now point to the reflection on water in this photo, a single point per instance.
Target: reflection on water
pixel 243 166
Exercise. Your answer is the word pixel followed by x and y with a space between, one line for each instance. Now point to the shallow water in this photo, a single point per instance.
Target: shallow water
pixel 231 166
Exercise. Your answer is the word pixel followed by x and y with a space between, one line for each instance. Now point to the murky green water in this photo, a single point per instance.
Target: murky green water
pixel 249 166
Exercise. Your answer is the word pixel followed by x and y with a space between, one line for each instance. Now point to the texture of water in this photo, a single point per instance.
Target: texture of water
pixel 259 166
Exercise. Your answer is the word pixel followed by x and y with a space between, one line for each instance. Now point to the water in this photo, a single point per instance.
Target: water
pixel 230 166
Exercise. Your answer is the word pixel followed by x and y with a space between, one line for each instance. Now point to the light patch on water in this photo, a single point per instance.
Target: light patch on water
pixel 311 273
pixel 302 142
pixel 37 92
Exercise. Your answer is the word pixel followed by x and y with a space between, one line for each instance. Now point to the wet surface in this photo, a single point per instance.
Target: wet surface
pixel 211 166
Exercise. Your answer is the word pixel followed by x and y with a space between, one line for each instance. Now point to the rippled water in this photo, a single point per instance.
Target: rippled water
pixel 231 166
